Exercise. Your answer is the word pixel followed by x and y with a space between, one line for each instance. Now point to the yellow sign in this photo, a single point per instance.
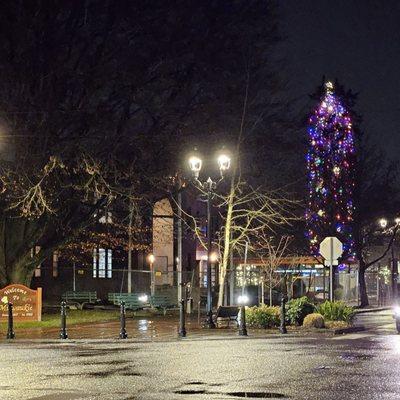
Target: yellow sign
pixel 158 273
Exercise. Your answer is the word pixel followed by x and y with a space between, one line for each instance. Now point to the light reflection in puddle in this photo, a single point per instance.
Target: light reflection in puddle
pixel 143 325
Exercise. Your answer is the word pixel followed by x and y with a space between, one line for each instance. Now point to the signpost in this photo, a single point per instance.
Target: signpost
pixel 331 248
pixel 27 303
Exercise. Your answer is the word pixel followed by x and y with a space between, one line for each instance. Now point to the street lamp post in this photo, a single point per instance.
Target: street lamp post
pixel 208 186
pixel 383 222
pixel 242 300
pixel 151 258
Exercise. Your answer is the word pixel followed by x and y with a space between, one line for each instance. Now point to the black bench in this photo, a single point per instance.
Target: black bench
pixel 80 298
pixel 229 313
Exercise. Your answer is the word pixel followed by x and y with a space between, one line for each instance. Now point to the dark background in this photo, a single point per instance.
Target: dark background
pixel 357 42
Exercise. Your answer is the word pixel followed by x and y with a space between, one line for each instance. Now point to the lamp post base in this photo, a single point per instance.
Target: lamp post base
pixel 182 328
pixel 242 324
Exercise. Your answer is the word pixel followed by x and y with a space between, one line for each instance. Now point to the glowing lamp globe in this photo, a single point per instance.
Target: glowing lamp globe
pixel 195 164
pixel 224 162
pixel 383 222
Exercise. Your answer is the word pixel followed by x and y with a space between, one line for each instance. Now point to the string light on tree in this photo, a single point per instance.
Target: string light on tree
pixel 330 166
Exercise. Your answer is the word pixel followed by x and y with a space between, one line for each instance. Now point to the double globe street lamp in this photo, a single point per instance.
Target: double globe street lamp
pixel 209 187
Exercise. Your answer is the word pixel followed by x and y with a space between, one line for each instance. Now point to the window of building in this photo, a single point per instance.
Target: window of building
pixel 203 274
pixel 56 256
pixel 102 263
pixel 38 269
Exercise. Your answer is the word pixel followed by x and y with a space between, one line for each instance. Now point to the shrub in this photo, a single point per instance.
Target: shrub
pixel 262 317
pixel 298 309
pixel 338 293
pixel 314 320
pixel 336 311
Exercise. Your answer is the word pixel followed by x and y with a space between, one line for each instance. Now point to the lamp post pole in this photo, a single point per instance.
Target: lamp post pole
pixel 209 321
pixel 208 187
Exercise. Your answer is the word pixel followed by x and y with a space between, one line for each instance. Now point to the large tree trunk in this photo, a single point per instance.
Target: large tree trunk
pixel 227 246
pixel 364 302
pixel 18 236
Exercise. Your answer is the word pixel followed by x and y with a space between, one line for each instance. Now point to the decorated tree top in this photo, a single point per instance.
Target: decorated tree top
pixel 330 166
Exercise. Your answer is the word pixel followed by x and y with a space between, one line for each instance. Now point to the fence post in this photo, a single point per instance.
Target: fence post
pixel 122 332
pixel 282 327
pixel 10 330
pixel 63 330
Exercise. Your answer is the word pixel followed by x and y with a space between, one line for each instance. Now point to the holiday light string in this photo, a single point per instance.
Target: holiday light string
pixel 330 165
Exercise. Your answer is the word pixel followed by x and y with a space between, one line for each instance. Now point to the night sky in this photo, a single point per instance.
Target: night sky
pixel 357 42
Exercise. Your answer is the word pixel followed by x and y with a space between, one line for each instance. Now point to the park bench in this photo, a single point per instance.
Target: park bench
pixel 164 301
pixel 229 313
pixel 133 301
pixel 80 298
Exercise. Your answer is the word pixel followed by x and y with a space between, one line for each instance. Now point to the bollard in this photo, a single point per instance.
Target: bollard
pixel 63 330
pixel 122 332
pixel 182 329
pixel 282 327
pixel 242 324
pixel 10 330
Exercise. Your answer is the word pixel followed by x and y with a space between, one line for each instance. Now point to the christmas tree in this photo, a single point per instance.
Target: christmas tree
pixel 330 166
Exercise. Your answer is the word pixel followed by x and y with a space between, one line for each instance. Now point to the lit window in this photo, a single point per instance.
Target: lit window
pixel 56 255
pixel 102 263
pixel 38 269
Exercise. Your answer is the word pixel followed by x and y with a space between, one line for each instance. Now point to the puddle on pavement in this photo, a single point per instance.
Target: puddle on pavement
pixel 322 368
pixel 245 395
pixel 257 395
pixel 356 356
pixel 199 391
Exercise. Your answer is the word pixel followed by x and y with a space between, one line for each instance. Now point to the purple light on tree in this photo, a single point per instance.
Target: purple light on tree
pixel 330 166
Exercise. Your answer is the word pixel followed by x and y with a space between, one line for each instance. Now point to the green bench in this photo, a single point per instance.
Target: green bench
pixel 133 301
pixel 80 298
pixel 164 301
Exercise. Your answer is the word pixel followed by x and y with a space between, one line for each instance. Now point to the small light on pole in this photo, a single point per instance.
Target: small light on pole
pixel 143 298
pixel 214 257
pixel 151 258
pixel 397 221
pixel 243 299
pixel 195 164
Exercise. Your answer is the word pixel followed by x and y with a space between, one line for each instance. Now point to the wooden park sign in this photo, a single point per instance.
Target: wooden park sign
pixel 27 303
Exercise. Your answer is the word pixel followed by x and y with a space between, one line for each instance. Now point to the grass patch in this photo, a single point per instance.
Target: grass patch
pixel 73 317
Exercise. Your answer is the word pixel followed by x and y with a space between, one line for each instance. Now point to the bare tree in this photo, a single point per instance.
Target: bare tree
pixel 272 255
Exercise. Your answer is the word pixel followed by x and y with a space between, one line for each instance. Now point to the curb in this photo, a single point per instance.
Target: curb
pixel 371 310
pixel 351 329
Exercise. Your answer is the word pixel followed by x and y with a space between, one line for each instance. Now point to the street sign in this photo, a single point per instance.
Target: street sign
pixel 331 248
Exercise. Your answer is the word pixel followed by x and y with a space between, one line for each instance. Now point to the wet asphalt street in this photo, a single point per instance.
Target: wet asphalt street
pixel 364 365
